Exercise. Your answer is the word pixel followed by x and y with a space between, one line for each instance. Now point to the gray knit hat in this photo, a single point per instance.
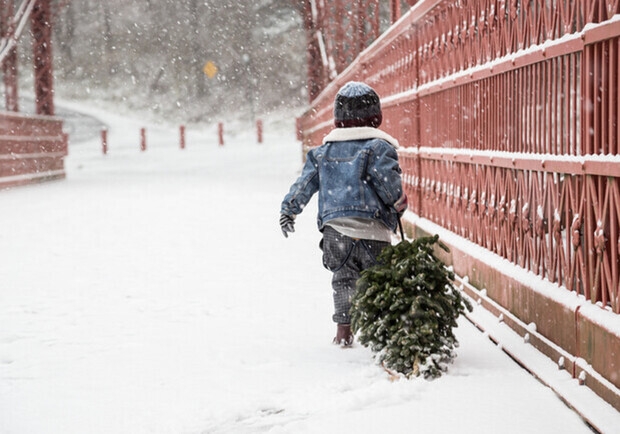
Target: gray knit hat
pixel 357 105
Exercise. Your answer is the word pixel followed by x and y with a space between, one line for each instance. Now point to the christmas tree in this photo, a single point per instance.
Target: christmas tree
pixel 406 307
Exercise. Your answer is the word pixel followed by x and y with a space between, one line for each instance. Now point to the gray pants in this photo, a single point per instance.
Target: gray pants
pixel 347 257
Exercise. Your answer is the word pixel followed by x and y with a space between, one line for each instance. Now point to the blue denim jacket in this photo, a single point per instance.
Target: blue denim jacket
pixel 354 177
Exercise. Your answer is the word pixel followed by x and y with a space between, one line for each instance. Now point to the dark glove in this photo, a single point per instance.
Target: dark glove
pixel 287 223
pixel 401 205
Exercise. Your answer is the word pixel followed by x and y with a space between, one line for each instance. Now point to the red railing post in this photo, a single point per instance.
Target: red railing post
pixel 41 28
pixel 104 141
pixel 259 131
pixel 9 66
pixel 220 133
pixel 143 139
pixel 182 136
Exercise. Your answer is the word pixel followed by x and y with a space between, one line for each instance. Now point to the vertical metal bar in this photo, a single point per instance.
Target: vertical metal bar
pixel 578 94
pixel 550 106
pixel 394 10
pixel 534 123
pixel 512 91
pixel 143 139
pixel 359 19
pixel 588 99
pixel 337 19
pixel 560 101
pixel 315 66
pixel 502 108
pixel 486 118
pixel 259 130
pixel 612 96
pixel 531 104
pixel 42 48
pixel 104 141
pixel 600 128
pixel 417 124
pixel 616 96
pixel 564 89
pixel 538 108
pixel 376 31
pixel 9 66
pixel 507 83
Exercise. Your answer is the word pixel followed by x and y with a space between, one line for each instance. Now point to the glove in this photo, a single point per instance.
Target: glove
pixel 287 223
pixel 401 205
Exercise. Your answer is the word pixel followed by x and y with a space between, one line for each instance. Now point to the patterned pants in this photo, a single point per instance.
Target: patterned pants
pixel 347 257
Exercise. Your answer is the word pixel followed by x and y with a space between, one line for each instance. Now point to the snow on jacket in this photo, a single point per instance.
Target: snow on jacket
pixel 356 174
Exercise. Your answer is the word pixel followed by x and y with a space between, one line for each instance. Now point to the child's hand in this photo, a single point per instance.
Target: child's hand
pixel 287 223
pixel 401 205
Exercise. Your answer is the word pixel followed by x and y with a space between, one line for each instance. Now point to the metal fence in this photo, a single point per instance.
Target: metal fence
pixel 507 111
pixel 508 114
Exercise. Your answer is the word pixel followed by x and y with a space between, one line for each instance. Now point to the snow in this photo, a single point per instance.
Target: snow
pixel 152 292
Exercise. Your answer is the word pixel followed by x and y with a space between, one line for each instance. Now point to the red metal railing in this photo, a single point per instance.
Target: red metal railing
pixel 508 112
pixel 32 147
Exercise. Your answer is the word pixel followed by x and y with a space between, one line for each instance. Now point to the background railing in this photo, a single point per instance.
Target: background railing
pixel 508 114
pixel 32 147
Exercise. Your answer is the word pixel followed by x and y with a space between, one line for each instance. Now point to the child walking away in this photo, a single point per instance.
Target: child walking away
pixel 358 178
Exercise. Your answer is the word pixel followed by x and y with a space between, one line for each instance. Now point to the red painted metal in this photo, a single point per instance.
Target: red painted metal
pixel 104 141
pixel 315 75
pixel 143 139
pixel 532 143
pixel 259 131
pixel 9 65
pixel 336 32
pixel 41 29
pixel 394 10
pixel 32 147
pixel 220 133
pixel 508 116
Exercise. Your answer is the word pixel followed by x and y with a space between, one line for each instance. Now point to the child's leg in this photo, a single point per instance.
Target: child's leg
pixel 337 249
pixel 346 258
pixel 343 285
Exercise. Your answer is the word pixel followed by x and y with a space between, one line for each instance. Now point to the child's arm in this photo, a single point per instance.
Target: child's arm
pixel 385 174
pixel 301 191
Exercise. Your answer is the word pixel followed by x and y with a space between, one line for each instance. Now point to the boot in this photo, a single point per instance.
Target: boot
pixel 344 336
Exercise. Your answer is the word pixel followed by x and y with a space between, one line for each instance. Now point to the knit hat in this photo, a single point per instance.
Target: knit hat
pixel 357 105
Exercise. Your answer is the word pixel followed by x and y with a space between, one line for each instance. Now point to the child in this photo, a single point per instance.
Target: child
pixel 358 178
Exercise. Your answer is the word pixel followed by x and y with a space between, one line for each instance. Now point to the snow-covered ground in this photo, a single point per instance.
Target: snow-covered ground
pixel 152 292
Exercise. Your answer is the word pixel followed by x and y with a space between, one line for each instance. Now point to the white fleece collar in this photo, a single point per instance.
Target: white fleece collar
pixel 359 133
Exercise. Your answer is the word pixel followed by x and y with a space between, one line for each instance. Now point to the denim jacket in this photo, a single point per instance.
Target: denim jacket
pixel 356 174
